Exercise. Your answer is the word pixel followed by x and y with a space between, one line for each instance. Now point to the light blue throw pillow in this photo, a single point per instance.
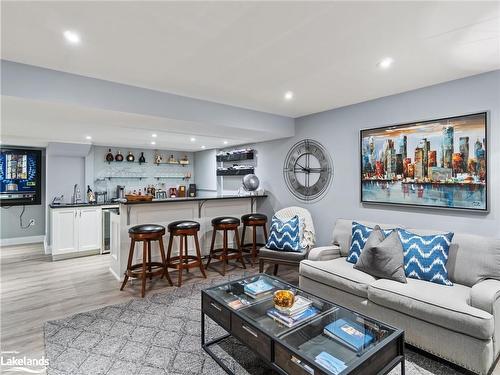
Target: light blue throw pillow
pixel 359 236
pixel 425 257
pixel 284 235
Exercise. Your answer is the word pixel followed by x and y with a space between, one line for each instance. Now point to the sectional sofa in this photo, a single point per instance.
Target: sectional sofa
pixel 459 323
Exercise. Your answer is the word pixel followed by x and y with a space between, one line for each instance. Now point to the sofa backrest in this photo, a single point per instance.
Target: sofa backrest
pixel 472 258
pixel 343 230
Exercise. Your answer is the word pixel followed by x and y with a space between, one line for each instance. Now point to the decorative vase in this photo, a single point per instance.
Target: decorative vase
pixel 130 157
pixel 142 159
pixel 158 158
pixel 283 299
pixel 109 156
pixel 119 156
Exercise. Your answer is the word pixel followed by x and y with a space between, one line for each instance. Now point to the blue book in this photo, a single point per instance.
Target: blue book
pixel 351 334
pixel 292 320
pixel 258 287
pixel 331 363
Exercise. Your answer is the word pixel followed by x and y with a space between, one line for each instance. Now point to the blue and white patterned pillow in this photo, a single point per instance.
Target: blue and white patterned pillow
pixel 285 235
pixel 359 236
pixel 425 257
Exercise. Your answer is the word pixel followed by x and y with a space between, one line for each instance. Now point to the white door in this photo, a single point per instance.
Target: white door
pixel 64 231
pixel 89 228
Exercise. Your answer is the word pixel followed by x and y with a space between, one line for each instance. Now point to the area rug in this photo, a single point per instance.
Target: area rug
pixel 160 334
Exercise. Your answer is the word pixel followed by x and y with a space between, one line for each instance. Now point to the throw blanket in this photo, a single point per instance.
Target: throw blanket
pixel 308 234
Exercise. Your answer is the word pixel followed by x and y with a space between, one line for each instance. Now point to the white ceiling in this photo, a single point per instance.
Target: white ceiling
pixel 249 53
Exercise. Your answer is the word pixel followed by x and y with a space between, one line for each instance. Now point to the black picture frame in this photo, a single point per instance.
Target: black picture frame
pixel 363 135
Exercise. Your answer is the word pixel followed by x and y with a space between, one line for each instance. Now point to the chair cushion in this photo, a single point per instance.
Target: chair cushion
pixel 285 235
pixel 146 228
pixel 251 217
pixel 225 220
pixel 184 224
pixel 445 306
pixel 339 274
pixel 264 252
pixel 426 256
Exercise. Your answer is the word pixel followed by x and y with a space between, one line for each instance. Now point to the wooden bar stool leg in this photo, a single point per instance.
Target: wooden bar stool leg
pixel 243 235
pixel 129 262
pixel 265 232
pixel 224 252
pixel 254 245
pixel 181 261
pixel 238 246
pixel 165 268
pixel 144 263
pixel 149 260
pixel 211 247
pixel 169 249
pixel 275 271
pixel 186 251
pixel 198 254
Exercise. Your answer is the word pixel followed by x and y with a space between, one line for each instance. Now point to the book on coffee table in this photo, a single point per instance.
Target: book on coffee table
pixel 292 320
pixel 331 363
pixel 349 333
pixel 300 304
pixel 258 288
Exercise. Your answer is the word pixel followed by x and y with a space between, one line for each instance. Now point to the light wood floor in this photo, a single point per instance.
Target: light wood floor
pixel 34 290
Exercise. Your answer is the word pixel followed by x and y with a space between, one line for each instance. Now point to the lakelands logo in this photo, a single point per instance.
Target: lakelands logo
pixel 10 362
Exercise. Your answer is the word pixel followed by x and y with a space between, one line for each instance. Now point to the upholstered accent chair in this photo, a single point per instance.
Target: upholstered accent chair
pixel 307 234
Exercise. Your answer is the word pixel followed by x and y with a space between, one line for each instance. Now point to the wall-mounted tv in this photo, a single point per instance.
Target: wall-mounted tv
pixel 20 176
pixel 436 163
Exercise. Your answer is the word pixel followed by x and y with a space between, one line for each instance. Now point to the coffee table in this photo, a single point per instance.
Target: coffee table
pixel 293 350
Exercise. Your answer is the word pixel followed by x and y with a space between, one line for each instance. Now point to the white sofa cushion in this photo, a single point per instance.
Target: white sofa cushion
pixel 337 273
pixel 446 306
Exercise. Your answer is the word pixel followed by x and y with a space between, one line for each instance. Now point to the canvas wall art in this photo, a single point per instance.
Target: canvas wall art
pixel 438 163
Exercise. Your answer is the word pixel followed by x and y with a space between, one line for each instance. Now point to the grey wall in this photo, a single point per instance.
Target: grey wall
pixel 9 217
pixel 205 166
pixel 338 131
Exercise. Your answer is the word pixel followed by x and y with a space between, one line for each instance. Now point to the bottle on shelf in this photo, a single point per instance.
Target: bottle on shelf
pixel 119 156
pixel 142 159
pixel 90 195
pixel 109 156
pixel 130 157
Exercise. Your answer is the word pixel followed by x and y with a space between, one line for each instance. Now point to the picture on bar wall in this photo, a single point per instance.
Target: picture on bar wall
pixel 437 163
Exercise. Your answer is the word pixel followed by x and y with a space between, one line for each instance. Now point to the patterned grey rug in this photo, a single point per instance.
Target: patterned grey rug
pixel 160 334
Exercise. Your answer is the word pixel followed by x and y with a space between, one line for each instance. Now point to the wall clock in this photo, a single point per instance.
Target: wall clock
pixel 308 170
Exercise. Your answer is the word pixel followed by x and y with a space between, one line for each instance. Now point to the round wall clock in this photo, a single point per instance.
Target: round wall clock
pixel 308 170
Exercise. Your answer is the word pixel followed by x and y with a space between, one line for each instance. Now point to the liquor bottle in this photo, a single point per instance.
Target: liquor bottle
pixel 119 156
pixel 90 195
pixel 142 159
pixel 109 156
pixel 130 157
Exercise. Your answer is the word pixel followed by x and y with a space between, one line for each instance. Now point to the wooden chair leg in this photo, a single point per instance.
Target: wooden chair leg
pixel 211 248
pixel 198 254
pixel 238 246
pixel 165 268
pixel 129 263
pixel 181 262
pixel 186 252
pixel 265 232
pixel 144 264
pixel 261 265
pixel 224 252
pixel 275 271
pixel 254 244
pixel 149 260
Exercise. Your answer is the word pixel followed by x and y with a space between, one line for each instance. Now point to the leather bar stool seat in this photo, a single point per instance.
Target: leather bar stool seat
pixel 183 224
pixel 226 220
pixel 184 261
pixel 254 221
pixel 146 233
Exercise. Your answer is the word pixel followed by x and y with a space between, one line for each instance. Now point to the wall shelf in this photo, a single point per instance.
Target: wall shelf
pixel 236 157
pixel 235 172
pixel 122 177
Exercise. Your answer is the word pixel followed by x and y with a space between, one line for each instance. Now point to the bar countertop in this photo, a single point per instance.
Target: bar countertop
pixel 194 199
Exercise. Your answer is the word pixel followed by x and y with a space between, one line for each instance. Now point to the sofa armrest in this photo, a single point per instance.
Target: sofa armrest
pixel 324 253
pixel 485 294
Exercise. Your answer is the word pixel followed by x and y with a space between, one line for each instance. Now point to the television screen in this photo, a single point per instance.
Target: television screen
pixel 20 177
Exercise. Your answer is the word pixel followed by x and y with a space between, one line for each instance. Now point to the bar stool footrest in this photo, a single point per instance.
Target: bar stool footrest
pixel 190 261
pixel 135 270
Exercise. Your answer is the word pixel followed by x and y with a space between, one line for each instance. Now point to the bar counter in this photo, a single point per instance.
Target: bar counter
pixel 164 211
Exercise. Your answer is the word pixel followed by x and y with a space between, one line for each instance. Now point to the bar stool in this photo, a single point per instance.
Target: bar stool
pixel 146 233
pixel 184 261
pixel 255 221
pixel 225 223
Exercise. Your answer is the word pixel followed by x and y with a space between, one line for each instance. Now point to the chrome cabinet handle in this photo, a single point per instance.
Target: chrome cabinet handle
pixel 301 364
pixel 215 306
pixel 249 330
pixel 80 213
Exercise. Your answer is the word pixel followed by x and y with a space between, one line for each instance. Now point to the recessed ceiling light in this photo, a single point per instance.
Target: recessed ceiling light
pixel 88 137
pixel 72 37
pixel 385 62
pixel 154 135
pixel 225 142
pixel 202 146
pixel 289 95
pixel 153 142
pixel 193 139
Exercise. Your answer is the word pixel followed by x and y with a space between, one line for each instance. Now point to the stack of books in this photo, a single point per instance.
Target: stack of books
pixel 350 334
pixel 331 363
pixel 301 310
pixel 258 288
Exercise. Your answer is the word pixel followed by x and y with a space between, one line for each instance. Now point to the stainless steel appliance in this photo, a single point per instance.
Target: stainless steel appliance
pixel 120 191
pixel 101 197
pixel 106 228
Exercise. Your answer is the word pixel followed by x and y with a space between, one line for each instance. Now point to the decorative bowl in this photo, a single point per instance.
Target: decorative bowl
pixel 283 299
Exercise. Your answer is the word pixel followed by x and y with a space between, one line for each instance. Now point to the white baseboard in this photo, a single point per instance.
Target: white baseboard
pixel 21 240
pixel 115 275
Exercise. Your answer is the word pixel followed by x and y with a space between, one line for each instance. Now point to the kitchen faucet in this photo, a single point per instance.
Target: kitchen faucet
pixel 77 197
